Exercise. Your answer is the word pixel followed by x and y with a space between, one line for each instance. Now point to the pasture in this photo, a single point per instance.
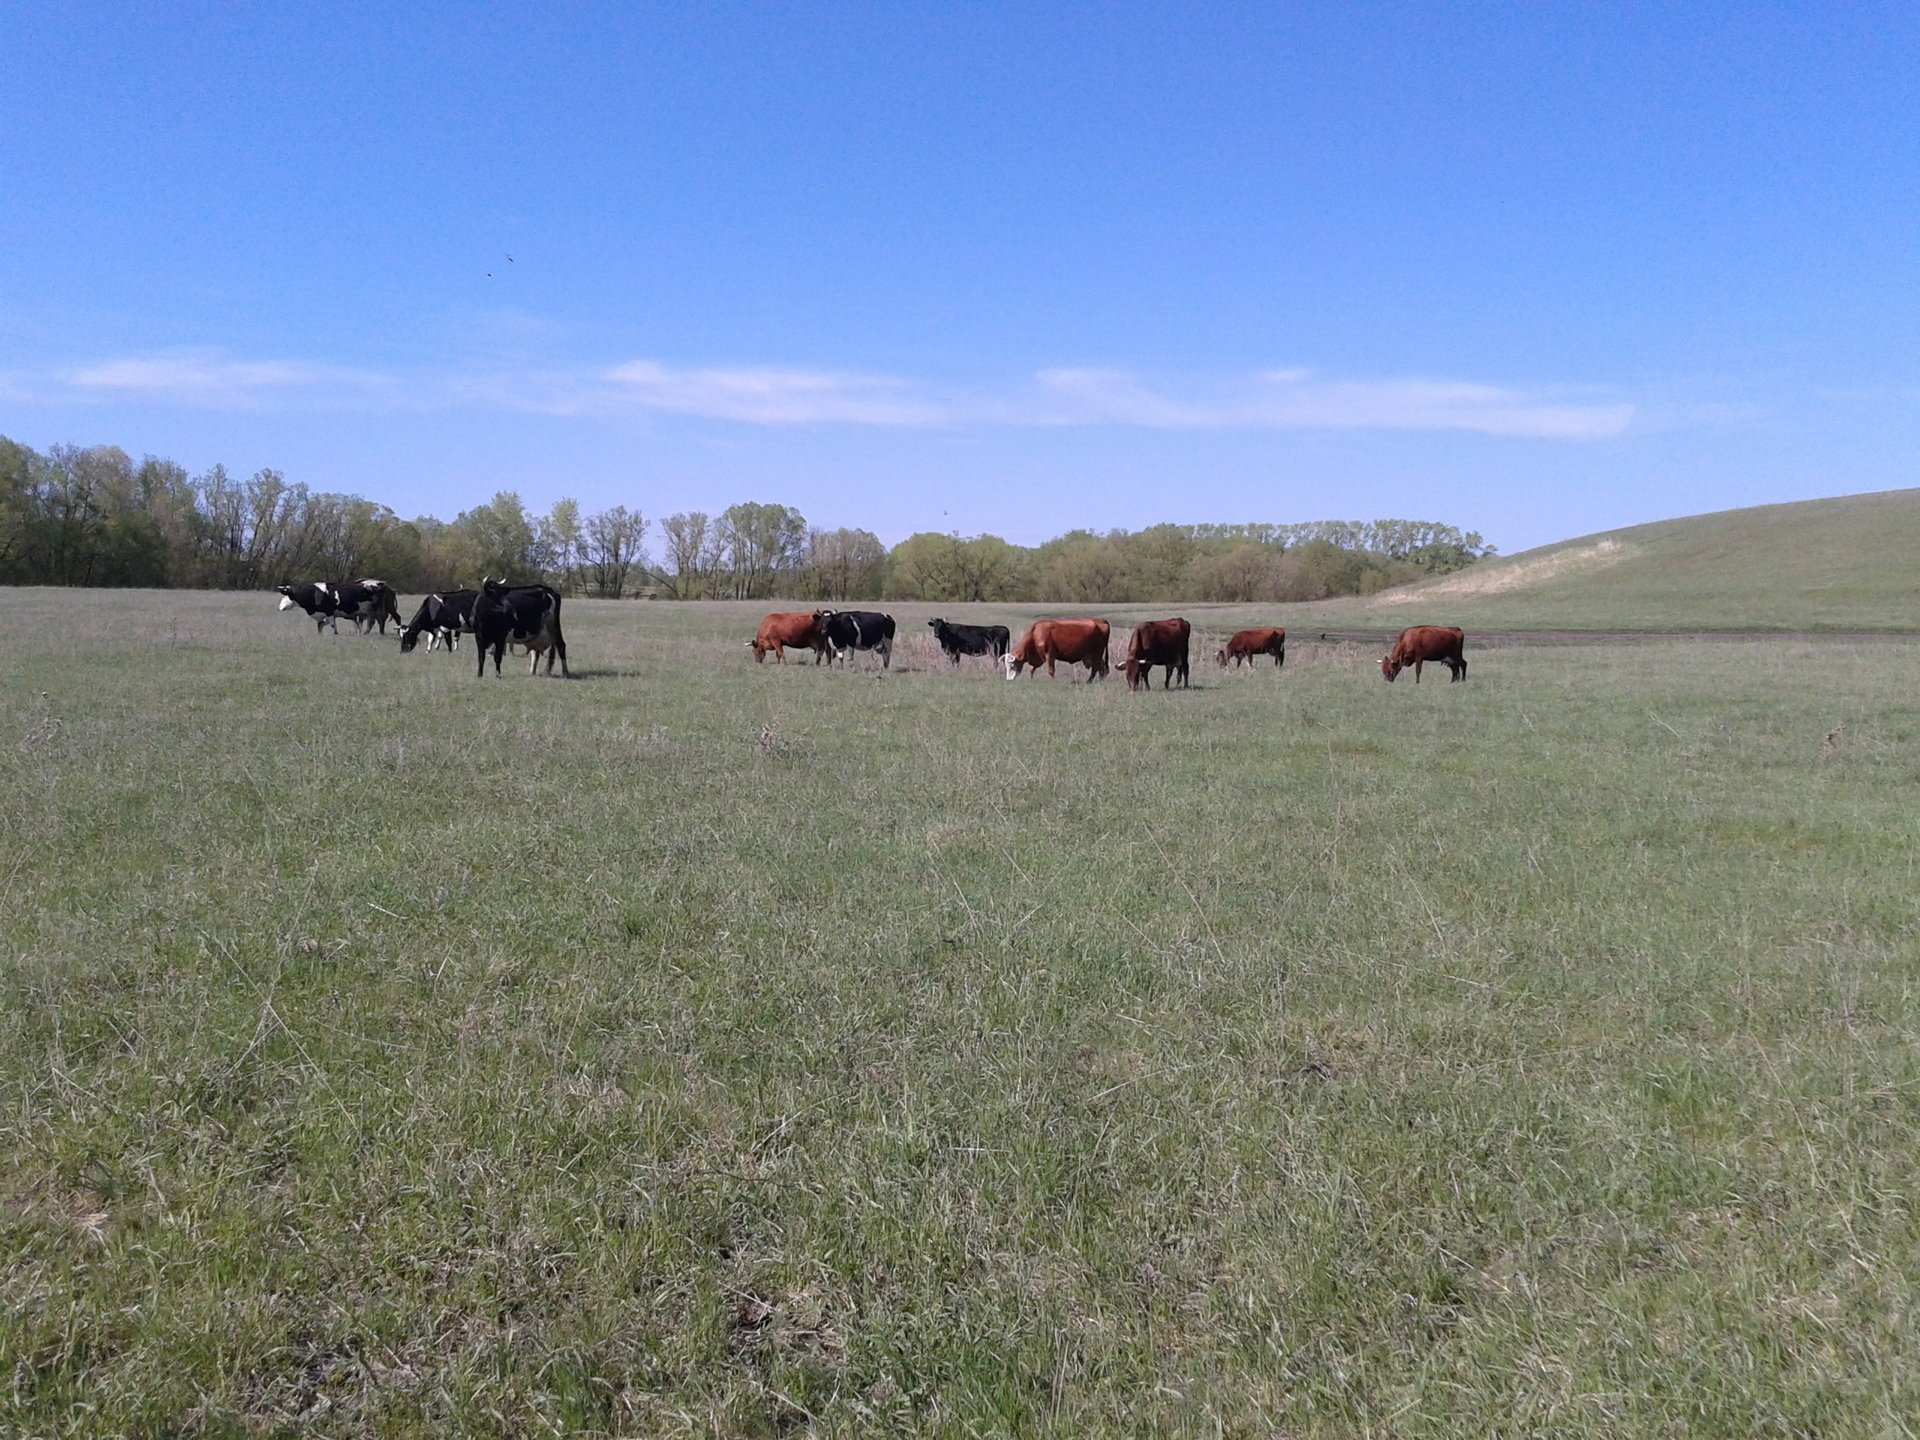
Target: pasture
pixel 703 1047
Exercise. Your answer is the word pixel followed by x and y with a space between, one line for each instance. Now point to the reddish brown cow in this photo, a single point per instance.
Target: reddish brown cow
pixel 1248 643
pixel 1421 643
pixel 1077 642
pixel 1157 642
pixel 788 630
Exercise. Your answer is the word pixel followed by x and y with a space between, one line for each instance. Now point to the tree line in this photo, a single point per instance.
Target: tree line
pixel 94 516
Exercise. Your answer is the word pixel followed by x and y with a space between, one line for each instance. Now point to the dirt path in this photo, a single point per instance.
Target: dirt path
pixel 1501 639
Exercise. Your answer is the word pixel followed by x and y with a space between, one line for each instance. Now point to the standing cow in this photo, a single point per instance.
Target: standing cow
pixel 1246 644
pixel 1421 643
pixel 1157 642
pixel 365 602
pixel 526 615
pixel 958 640
pixel 845 630
pixel 1077 642
pixel 788 630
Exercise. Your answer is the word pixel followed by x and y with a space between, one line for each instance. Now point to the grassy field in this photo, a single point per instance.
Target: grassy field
pixel 1841 564
pixel 707 1048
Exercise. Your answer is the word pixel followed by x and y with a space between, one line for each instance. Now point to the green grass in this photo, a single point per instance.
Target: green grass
pixel 703 1047
pixel 1841 564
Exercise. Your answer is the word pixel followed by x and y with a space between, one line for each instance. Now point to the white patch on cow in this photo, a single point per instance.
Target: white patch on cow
pixel 1006 663
pixel 323 588
pixel 286 602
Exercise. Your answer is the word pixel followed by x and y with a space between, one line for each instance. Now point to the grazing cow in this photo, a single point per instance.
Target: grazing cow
pixel 1077 642
pixel 1157 642
pixel 786 630
pixel 526 615
pixel 1248 643
pixel 441 618
pixel 1421 643
pixel 365 602
pixel 958 640
pixel 846 630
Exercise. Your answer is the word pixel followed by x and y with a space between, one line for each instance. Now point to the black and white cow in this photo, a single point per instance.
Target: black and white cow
pixel 365 602
pixel 526 615
pixel 958 640
pixel 856 630
pixel 441 618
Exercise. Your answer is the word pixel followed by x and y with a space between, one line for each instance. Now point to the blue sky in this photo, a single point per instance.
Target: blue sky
pixel 1533 270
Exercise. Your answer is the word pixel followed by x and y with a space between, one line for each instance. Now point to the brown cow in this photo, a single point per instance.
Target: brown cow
pixel 788 630
pixel 1421 643
pixel 1077 642
pixel 1157 642
pixel 1248 643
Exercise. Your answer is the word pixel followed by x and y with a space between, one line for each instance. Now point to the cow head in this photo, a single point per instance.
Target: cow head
pixel 286 596
pixel 1011 665
pixel 935 625
pixel 1220 659
pixel 1390 667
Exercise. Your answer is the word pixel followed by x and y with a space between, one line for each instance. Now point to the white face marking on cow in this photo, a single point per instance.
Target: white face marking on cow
pixel 286 602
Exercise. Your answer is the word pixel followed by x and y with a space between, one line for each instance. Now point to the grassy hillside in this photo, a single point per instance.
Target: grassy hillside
pixel 1851 563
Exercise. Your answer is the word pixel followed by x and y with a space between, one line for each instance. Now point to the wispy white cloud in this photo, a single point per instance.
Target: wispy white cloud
pixel 207 378
pixel 1299 400
pixel 1272 400
pixel 1292 399
pixel 762 395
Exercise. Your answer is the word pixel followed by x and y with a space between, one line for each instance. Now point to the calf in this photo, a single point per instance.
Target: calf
pixel 788 630
pixel 441 618
pixel 365 602
pixel 1421 643
pixel 1246 644
pixel 1078 642
pixel 846 630
pixel 958 640
pixel 526 615
pixel 1157 642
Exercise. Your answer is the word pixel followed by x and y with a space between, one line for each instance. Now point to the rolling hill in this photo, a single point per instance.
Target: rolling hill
pixel 1850 563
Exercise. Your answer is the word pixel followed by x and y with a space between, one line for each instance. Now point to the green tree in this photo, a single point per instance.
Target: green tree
pixel 502 538
pixel 612 547
pixel 761 546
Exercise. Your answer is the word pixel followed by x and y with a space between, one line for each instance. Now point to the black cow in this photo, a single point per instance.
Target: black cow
pixel 365 602
pixel 526 615
pixel 856 630
pixel 441 618
pixel 958 640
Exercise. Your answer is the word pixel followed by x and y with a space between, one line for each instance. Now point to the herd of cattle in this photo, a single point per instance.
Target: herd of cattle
pixel 498 615
pixel 831 634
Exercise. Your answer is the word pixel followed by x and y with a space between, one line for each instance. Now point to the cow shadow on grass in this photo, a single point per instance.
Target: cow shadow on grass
pixel 588 672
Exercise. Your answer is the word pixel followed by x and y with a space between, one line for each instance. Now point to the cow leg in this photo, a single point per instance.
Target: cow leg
pixel 886 654
pixel 1416 670
pixel 560 649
